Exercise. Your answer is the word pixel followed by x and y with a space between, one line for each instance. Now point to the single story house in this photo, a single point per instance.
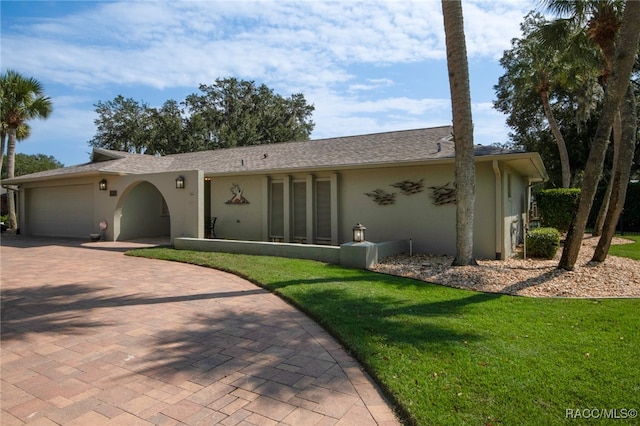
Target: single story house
pixel 399 185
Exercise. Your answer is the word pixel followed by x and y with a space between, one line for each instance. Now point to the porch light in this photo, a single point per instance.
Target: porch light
pixel 102 185
pixel 180 182
pixel 358 233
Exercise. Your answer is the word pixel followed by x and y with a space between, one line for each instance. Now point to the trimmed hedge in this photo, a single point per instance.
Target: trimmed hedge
pixel 543 242
pixel 556 207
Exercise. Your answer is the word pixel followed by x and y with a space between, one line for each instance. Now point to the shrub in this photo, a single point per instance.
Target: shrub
pixel 556 207
pixel 630 220
pixel 543 242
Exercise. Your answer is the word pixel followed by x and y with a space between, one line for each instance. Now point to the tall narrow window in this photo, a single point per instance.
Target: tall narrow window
pixel 323 211
pixel 300 211
pixel 276 220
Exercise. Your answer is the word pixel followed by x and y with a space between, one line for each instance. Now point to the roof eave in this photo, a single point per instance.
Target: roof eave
pixel 19 180
pixel 534 159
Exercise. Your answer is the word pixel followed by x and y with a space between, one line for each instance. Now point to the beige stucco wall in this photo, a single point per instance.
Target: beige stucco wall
pixel 238 221
pixel 185 205
pixel 431 228
pixel 154 222
pixel 515 204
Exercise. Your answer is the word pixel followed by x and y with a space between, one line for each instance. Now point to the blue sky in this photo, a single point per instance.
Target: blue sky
pixel 367 67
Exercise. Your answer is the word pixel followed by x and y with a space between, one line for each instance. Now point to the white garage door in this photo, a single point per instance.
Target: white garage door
pixel 61 211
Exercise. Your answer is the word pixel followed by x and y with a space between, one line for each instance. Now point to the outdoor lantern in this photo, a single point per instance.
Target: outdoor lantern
pixel 102 185
pixel 358 233
pixel 180 182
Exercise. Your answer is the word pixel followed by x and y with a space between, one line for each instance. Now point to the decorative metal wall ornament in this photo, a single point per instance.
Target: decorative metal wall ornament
pixel 381 197
pixel 443 194
pixel 237 198
pixel 408 187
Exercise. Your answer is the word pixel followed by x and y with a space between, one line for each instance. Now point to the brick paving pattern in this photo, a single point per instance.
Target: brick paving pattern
pixel 93 337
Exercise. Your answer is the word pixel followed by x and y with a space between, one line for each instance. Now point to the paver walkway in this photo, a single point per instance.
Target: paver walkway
pixel 93 337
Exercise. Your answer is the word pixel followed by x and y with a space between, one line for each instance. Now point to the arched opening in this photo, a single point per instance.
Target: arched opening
pixel 142 213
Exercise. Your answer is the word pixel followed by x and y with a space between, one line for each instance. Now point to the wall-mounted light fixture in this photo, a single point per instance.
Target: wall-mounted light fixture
pixel 180 182
pixel 358 233
pixel 102 185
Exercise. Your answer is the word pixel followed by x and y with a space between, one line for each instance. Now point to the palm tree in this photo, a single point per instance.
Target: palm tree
pixel 600 20
pixel 22 133
pixel 617 84
pixel 465 169
pixel 22 100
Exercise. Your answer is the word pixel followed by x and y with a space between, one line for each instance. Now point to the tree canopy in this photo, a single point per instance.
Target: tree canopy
pixel 32 163
pixel 228 113
pixel 549 94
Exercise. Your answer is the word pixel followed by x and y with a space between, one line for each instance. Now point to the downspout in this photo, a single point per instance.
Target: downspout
pixel 498 218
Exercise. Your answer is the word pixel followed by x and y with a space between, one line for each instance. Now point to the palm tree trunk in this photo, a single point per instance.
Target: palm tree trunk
pixel 604 207
pixel 562 147
pixel 616 87
pixel 620 179
pixel 465 169
pixel 3 143
pixel 11 168
pixel 608 47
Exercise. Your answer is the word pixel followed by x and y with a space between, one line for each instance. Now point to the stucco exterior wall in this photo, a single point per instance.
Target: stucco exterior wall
pixel 132 206
pixel 126 195
pixel 186 205
pixel 430 227
pixel 515 205
pixel 409 217
pixel 485 220
pixel 238 221
pixel 155 222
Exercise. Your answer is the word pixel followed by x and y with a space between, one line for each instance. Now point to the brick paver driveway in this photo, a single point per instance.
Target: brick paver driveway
pixel 92 337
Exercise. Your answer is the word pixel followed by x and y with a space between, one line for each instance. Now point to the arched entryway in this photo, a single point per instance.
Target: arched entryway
pixel 142 212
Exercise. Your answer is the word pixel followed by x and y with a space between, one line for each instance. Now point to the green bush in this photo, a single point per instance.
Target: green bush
pixel 556 207
pixel 630 220
pixel 543 242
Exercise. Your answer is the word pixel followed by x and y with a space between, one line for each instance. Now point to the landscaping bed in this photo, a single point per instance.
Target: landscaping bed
pixel 615 277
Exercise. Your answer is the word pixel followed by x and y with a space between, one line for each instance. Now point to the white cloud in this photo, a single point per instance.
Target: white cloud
pixel 326 50
pixel 149 43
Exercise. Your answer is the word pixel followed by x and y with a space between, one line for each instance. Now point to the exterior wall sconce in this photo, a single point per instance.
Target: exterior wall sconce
pixel 180 182
pixel 102 185
pixel 358 233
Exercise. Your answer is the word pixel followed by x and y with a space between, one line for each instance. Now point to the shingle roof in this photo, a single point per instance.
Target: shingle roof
pixel 406 146
pixel 350 151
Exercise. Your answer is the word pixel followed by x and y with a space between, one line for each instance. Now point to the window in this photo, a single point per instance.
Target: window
pixel 300 210
pixel 276 220
pixel 323 211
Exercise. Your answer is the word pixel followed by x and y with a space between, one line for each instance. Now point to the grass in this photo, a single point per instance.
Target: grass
pixel 450 356
pixel 632 251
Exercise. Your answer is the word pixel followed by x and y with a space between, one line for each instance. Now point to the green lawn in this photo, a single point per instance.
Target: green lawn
pixel 449 356
pixel 632 251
